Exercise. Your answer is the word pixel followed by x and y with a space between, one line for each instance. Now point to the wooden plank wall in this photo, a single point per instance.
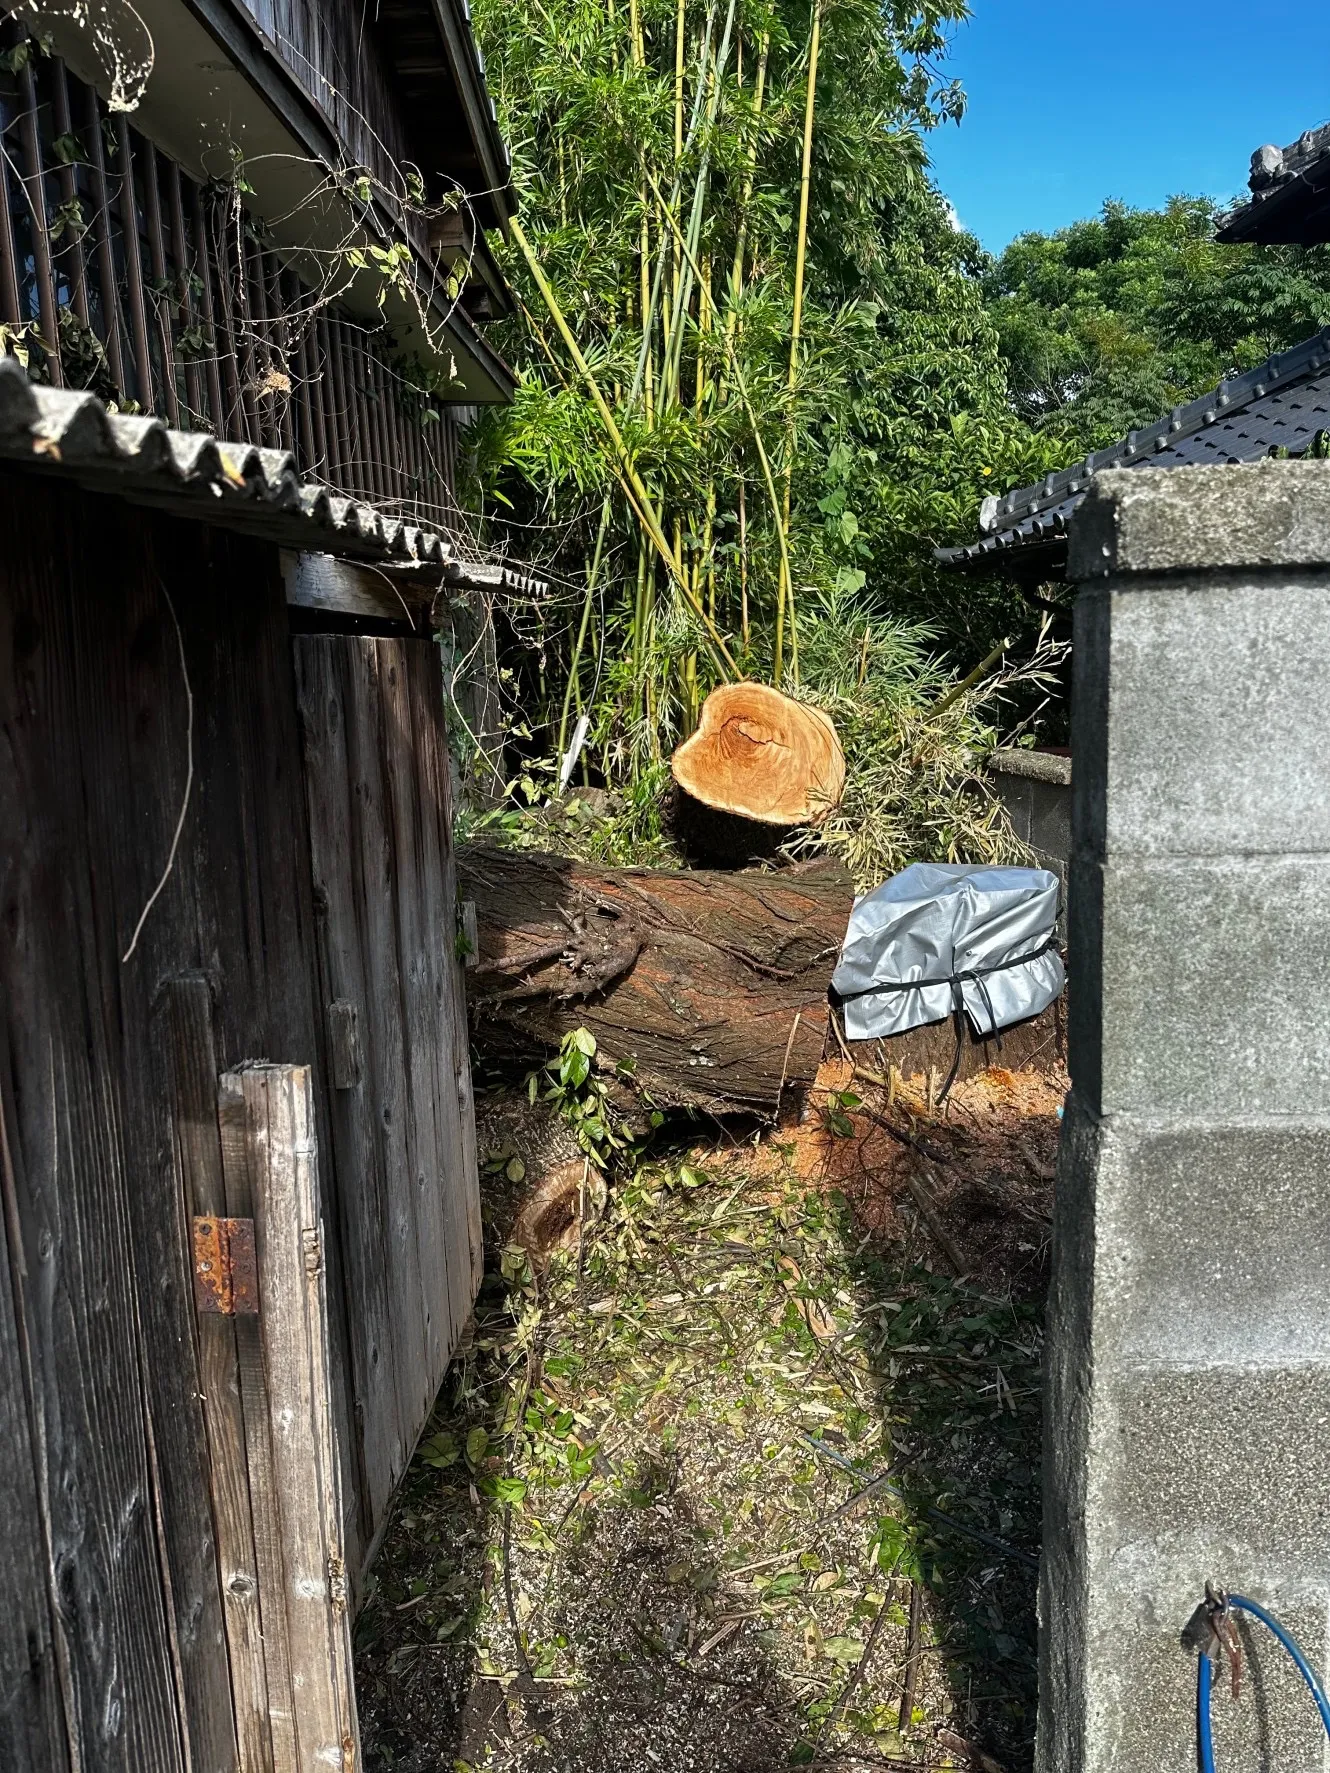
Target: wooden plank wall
pixel 112 1653
pixel 139 652
pixel 376 768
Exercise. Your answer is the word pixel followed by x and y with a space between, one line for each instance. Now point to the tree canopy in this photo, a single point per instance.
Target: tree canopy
pixel 1108 323
pixel 763 374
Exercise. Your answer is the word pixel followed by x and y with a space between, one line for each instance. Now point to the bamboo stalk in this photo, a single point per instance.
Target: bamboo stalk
pixel 805 180
pixel 631 478
pixel 782 536
pixel 576 659
pixel 746 199
pixel 981 670
pixel 678 118
pixel 785 592
pixel 743 563
pixel 662 252
pixel 683 295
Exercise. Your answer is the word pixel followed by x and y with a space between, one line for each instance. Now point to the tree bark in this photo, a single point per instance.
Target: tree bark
pixel 705 990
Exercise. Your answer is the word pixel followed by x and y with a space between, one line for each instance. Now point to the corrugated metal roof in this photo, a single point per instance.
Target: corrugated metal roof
pixel 1282 404
pixel 58 431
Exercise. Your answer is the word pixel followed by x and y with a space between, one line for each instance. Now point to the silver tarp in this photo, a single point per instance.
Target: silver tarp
pixel 955 930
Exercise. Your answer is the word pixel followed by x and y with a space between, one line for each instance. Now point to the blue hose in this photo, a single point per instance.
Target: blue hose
pixel 1205 1678
pixel 1204 1735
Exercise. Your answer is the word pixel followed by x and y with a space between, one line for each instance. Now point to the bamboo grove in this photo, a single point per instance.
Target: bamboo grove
pixel 758 381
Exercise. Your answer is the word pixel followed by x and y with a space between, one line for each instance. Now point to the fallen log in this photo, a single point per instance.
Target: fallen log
pixel 706 990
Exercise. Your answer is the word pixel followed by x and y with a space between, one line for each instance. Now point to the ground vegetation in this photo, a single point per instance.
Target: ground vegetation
pixel 738 1467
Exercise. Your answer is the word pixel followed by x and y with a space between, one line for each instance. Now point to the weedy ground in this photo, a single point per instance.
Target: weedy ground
pixel 703 1487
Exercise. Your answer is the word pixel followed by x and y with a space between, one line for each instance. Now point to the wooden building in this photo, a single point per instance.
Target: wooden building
pixel 240 1230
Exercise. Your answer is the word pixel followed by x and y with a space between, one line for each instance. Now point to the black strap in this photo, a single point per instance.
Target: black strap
pixel 969 976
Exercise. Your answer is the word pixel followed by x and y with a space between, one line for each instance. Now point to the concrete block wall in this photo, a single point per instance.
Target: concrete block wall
pixel 1188 1388
pixel 1035 788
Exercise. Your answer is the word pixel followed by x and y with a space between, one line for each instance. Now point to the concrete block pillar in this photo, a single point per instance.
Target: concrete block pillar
pixel 1188 1386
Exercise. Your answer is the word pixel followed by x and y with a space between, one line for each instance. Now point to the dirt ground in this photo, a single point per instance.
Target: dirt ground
pixel 744 1474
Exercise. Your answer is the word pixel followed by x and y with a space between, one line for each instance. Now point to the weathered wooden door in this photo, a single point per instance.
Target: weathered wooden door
pixel 403 1132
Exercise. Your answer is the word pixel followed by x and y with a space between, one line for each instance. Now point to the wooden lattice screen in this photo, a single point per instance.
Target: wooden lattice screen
pixel 121 274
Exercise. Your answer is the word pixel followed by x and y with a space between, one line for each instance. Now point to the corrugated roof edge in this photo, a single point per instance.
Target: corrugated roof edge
pixel 237 485
pixel 1002 515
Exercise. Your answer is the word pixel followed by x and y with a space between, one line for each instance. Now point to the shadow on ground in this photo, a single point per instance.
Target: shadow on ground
pixel 643 1529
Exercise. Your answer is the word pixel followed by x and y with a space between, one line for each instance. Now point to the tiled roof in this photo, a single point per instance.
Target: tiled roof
pixel 1290 194
pixel 1282 404
pixel 57 431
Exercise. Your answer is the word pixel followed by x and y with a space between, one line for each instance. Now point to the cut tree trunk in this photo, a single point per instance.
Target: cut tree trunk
pixel 707 990
pixel 758 755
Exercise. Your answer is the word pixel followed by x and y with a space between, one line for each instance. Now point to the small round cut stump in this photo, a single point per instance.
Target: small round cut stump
pixel 761 756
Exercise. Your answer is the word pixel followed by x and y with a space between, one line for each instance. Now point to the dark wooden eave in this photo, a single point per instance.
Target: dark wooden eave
pixel 439 72
pixel 440 76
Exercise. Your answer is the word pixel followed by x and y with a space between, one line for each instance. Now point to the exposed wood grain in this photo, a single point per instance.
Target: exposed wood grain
pixel 91 769
pixel 762 756
pixel 376 776
pixel 445 1035
pixel 283 1165
pixel 344 1041
pixel 199 1154
pixel 77 1231
pixel 436 785
pixel 425 977
pixel 255 1404
pixel 356 1127
pixel 372 872
pixel 32 1715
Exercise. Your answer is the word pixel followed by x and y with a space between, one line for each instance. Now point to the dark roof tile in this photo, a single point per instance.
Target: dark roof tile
pixel 1284 403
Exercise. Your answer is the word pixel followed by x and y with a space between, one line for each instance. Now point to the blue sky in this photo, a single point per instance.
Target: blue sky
pixel 1073 101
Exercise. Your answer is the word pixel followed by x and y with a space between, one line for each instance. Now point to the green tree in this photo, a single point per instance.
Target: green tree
pixel 1108 323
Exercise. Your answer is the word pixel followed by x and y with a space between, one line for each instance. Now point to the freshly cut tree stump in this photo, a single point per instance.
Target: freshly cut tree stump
pixel 760 756
pixel 706 990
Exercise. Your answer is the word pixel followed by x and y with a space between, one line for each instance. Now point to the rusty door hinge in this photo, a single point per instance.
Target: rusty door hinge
pixel 226 1281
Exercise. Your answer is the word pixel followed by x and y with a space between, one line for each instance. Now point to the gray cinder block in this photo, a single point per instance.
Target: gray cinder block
pixel 1188 1377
